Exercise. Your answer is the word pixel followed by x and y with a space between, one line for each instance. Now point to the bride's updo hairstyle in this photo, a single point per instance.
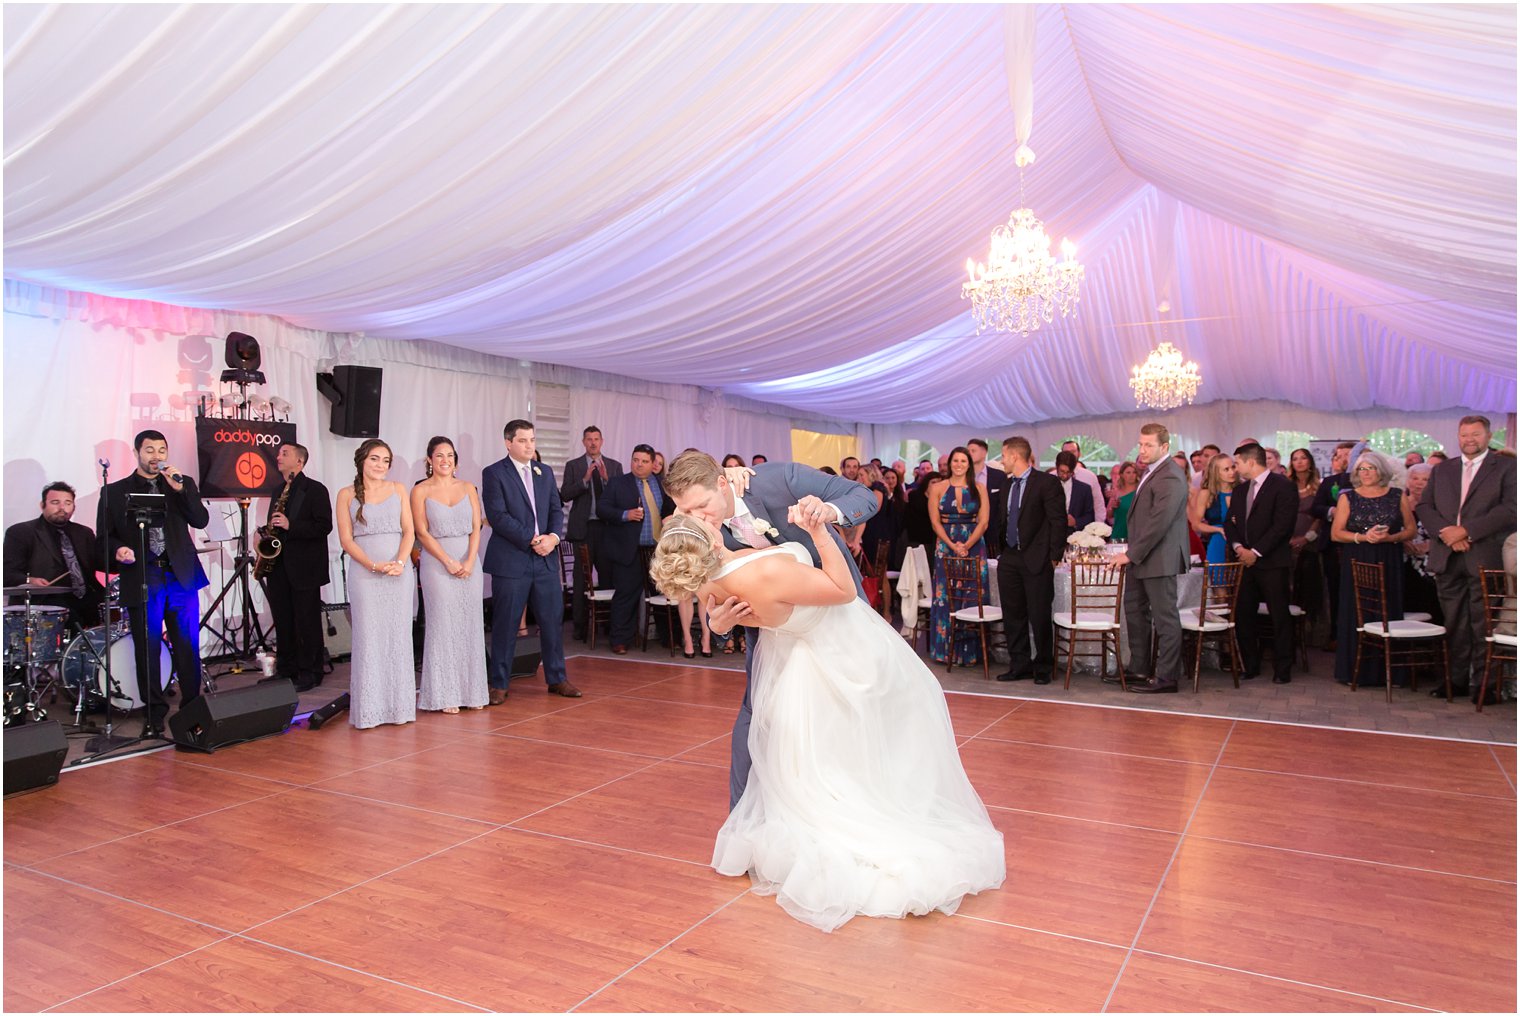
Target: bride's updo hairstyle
pixel 685 558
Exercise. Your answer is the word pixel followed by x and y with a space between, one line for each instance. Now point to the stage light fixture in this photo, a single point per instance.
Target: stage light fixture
pixel 243 359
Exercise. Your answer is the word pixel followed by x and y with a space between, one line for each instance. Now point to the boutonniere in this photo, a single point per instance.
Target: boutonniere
pixel 537 471
pixel 766 528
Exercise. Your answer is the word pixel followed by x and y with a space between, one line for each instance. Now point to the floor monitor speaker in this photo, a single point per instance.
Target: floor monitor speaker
pixel 34 755
pixel 223 718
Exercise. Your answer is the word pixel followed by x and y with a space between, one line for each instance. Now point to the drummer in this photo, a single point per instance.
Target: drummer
pixel 51 551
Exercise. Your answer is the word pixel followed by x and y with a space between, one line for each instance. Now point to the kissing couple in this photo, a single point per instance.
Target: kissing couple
pixel 847 793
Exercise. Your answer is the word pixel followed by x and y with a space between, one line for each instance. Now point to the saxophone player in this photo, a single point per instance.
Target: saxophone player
pixel 300 517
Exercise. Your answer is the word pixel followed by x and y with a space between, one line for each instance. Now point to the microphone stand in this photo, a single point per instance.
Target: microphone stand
pixel 79 724
pixel 107 743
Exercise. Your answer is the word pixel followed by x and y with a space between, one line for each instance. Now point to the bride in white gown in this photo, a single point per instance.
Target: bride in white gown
pixel 857 802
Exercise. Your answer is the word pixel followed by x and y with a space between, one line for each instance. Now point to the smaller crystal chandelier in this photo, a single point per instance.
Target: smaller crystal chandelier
pixel 1021 284
pixel 1163 381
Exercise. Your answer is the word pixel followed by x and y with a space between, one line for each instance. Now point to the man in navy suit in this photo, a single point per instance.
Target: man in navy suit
pixel 1078 495
pixel 524 509
pixel 757 517
pixel 631 508
pixel 1258 526
pixel 1031 522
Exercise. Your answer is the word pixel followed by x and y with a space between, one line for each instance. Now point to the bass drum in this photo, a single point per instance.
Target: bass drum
pixel 84 667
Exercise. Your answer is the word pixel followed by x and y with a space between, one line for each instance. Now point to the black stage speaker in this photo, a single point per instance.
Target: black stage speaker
pixel 356 410
pixel 526 659
pixel 230 717
pixel 337 634
pixel 33 755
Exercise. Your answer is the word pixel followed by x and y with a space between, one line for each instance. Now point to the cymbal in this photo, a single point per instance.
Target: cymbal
pixel 31 590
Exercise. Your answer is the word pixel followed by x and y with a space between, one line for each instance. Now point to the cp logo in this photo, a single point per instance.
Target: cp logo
pixel 251 470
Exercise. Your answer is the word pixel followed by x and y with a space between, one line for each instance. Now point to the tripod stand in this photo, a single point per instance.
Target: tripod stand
pixel 247 625
pixel 143 508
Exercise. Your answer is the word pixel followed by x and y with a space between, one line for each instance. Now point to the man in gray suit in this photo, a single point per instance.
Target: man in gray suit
pixel 1157 554
pixel 1468 510
pixel 756 516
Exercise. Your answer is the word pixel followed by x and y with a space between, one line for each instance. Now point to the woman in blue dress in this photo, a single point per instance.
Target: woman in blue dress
pixel 1208 504
pixel 958 511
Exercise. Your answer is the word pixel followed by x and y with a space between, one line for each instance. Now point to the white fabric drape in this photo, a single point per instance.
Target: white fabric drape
pixel 84 373
pixel 775 201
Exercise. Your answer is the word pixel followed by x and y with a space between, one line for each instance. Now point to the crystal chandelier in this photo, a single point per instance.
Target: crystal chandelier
pixel 1163 381
pixel 1021 284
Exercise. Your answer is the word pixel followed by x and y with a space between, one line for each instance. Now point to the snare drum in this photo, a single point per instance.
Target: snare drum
pixel 84 666
pixel 48 625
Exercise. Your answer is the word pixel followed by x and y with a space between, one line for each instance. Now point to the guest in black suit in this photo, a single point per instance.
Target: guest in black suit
pixel 585 477
pixel 1263 511
pixel 917 528
pixel 294 585
pixel 1469 511
pixel 52 551
pixel 1031 521
pixel 1080 510
pixel 171 571
pixel 993 479
pixel 1323 508
pixel 631 509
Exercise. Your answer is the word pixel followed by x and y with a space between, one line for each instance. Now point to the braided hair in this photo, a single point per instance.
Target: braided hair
pixel 359 457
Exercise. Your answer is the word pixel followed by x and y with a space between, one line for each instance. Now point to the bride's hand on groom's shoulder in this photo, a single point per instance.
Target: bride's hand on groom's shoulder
pixel 738 478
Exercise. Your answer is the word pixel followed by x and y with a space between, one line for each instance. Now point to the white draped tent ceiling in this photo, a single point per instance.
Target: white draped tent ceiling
pixel 777 201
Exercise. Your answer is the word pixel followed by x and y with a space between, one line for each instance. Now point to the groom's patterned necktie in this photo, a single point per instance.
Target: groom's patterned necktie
pixel 745 530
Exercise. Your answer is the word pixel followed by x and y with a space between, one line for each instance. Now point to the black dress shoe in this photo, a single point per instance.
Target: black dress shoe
pixel 1282 680
pixel 1253 675
pixel 1456 692
pixel 1154 686
pixel 1042 679
pixel 1009 675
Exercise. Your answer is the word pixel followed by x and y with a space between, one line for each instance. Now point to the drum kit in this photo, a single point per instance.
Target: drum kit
pixel 43 655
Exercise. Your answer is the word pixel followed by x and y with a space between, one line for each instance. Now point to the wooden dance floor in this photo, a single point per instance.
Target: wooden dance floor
pixel 550 854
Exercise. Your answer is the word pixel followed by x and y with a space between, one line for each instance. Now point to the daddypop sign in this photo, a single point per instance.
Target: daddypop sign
pixel 237 457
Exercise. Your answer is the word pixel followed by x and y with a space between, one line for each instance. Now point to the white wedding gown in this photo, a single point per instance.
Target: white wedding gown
pixel 857 802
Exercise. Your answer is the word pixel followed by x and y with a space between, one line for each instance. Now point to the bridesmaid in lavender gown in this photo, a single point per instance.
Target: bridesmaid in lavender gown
pixel 375 529
pixel 446 511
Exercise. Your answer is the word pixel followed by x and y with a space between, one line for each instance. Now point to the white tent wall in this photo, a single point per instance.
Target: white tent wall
pixel 73 360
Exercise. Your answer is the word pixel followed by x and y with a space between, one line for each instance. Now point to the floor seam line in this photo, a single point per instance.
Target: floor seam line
pixel 357 970
pixel 136 973
pixel 1355 860
pixel 1161 882
pixel 1285 980
pixel 659 950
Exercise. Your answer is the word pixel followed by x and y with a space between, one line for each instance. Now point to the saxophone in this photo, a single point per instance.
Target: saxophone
pixel 268 547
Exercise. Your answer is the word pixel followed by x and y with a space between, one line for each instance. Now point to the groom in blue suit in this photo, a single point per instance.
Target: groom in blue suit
pixel 756 516
pixel 522 504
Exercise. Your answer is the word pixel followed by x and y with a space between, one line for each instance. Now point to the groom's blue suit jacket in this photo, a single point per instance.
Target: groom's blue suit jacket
pixel 775 487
